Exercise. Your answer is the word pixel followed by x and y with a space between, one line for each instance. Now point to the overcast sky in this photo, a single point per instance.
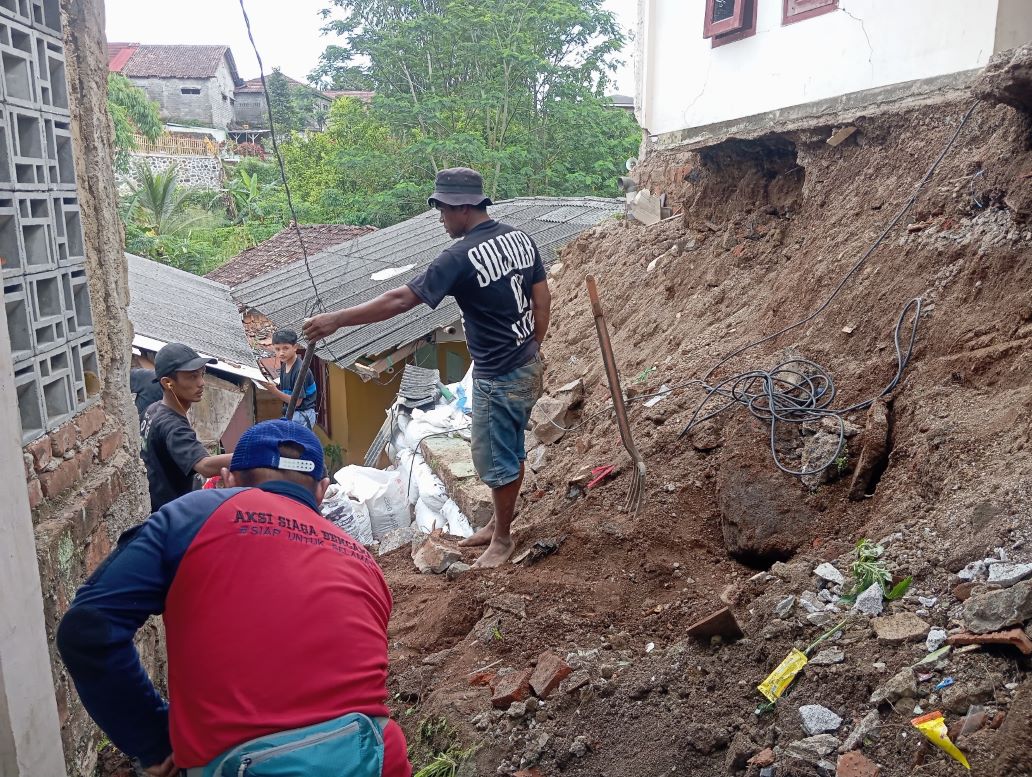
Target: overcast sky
pixel 287 31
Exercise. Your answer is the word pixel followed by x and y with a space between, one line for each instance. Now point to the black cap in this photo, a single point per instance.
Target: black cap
pixel 176 357
pixel 459 186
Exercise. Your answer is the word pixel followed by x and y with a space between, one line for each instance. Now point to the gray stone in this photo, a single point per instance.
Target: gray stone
pixel 1006 575
pixel 579 748
pixel 935 639
pixel 972 571
pixel 396 538
pixel 552 416
pixel 901 627
pixel 813 749
pixel 784 608
pixel 826 596
pixel 820 618
pixel 997 610
pixel 827 572
pixel 870 601
pixel 818 720
pixel 828 656
pixel 434 556
pixel 900 686
pixel 864 729
pixel 456 570
pixel 809 602
pixel 517 709
pixel 960 696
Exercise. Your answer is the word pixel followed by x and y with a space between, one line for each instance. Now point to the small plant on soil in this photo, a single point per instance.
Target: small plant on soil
pixel 445 764
pixel 868 568
pixel 438 740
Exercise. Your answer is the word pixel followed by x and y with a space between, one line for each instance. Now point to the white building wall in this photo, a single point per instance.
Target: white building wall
pixel 686 83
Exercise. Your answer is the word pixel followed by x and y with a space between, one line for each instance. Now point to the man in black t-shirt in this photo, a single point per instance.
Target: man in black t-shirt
pixel 144 388
pixel 171 450
pixel 495 274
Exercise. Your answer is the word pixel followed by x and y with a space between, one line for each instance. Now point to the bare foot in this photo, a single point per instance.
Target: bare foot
pixel 482 537
pixel 497 553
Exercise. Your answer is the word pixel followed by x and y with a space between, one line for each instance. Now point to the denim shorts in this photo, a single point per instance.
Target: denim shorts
pixel 501 410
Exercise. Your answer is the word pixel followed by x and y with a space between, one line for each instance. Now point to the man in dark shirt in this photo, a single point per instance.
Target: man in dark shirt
pixel 495 274
pixel 171 450
pixel 144 388
pixel 284 345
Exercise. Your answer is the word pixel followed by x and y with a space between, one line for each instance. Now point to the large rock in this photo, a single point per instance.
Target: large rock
pixel 551 416
pixel 763 515
pixel 1007 79
pixel 997 610
pixel 433 556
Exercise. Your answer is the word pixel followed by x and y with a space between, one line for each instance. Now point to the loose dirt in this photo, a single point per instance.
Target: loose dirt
pixel 765 231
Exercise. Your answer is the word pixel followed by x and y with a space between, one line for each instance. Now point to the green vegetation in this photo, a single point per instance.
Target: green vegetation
pixel 515 90
pixel 132 112
pixel 437 749
pixel 868 568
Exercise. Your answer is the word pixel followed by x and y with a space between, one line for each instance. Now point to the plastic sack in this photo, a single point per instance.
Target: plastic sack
pixel 458 524
pixel 382 494
pixel 404 464
pixel 347 515
pixel 431 490
pixel 463 391
pixel 426 519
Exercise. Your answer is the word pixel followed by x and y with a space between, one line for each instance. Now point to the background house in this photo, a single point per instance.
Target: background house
pixel 168 305
pixel 251 116
pixel 712 68
pixel 359 379
pixel 191 84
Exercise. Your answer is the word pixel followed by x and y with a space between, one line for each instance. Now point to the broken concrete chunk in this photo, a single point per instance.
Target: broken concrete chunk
pixel 864 729
pixel 996 610
pixel 818 720
pixel 972 571
pixel 935 639
pixel 1006 575
pixel 813 749
pixel 870 601
pixel 1007 79
pixel 828 656
pixel 396 538
pixel 841 135
pixel 902 627
pixel 548 674
pixel 552 416
pixel 458 569
pixel 784 608
pixel 828 572
pixel 434 556
pixel 899 686
pixel 575 681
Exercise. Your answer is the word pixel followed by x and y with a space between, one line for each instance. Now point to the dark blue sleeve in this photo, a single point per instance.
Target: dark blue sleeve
pixel 309 384
pixel 437 281
pixel 537 274
pixel 95 637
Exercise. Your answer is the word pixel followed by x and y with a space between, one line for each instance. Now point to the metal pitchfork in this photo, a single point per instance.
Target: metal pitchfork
pixel 636 496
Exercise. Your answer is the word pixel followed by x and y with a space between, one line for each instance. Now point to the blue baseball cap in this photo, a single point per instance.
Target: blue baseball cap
pixel 259 448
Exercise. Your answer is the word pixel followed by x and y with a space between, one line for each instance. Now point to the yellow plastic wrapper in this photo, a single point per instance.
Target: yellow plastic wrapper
pixel 778 680
pixel 933 727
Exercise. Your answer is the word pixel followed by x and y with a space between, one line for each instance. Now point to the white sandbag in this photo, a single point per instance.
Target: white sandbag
pixel 346 514
pixel 457 523
pixel 404 463
pixel 381 492
pixel 463 391
pixel 431 490
pixel 426 519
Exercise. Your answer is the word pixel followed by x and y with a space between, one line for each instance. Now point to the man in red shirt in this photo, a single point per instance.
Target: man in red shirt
pixel 276 621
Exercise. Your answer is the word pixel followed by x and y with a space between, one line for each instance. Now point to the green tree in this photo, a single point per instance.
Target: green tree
pixel 132 113
pixel 512 87
pixel 287 116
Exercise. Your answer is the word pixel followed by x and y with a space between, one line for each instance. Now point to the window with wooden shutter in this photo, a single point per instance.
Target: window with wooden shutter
pixel 723 17
pixel 748 28
pixel 798 10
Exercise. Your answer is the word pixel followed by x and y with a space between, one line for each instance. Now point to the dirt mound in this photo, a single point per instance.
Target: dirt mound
pixel 767 230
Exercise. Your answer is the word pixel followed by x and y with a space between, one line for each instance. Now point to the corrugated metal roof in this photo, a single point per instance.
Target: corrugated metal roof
pixel 174 306
pixel 342 273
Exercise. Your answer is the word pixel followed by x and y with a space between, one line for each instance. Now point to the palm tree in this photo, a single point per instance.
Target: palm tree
pixel 160 206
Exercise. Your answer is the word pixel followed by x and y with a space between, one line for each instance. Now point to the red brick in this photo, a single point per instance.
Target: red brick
pixel 35 494
pixel 40 451
pixel 84 461
pixel 91 422
pixel 109 444
pixel 63 439
pixel 856 764
pixel 763 758
pixel 510 688
pixel 1015 637
pixel 481 678
pixel 549 672
pixel 98 549
pixel 99 500
pixel 60 479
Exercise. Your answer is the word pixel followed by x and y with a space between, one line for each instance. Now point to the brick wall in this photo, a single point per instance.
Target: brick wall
pixel 671 173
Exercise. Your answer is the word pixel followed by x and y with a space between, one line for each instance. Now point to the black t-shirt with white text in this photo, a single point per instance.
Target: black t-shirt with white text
pixel 170 451
pixel 490 272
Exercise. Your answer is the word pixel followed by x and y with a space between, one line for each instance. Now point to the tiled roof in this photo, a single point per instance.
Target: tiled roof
pixel 254 86
pixel 343 273
pixel 119 54
pixel 283 248
pixel 174 306
pixel 172 61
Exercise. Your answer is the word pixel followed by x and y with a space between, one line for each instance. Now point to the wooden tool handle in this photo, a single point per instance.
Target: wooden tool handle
pixel 596 304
